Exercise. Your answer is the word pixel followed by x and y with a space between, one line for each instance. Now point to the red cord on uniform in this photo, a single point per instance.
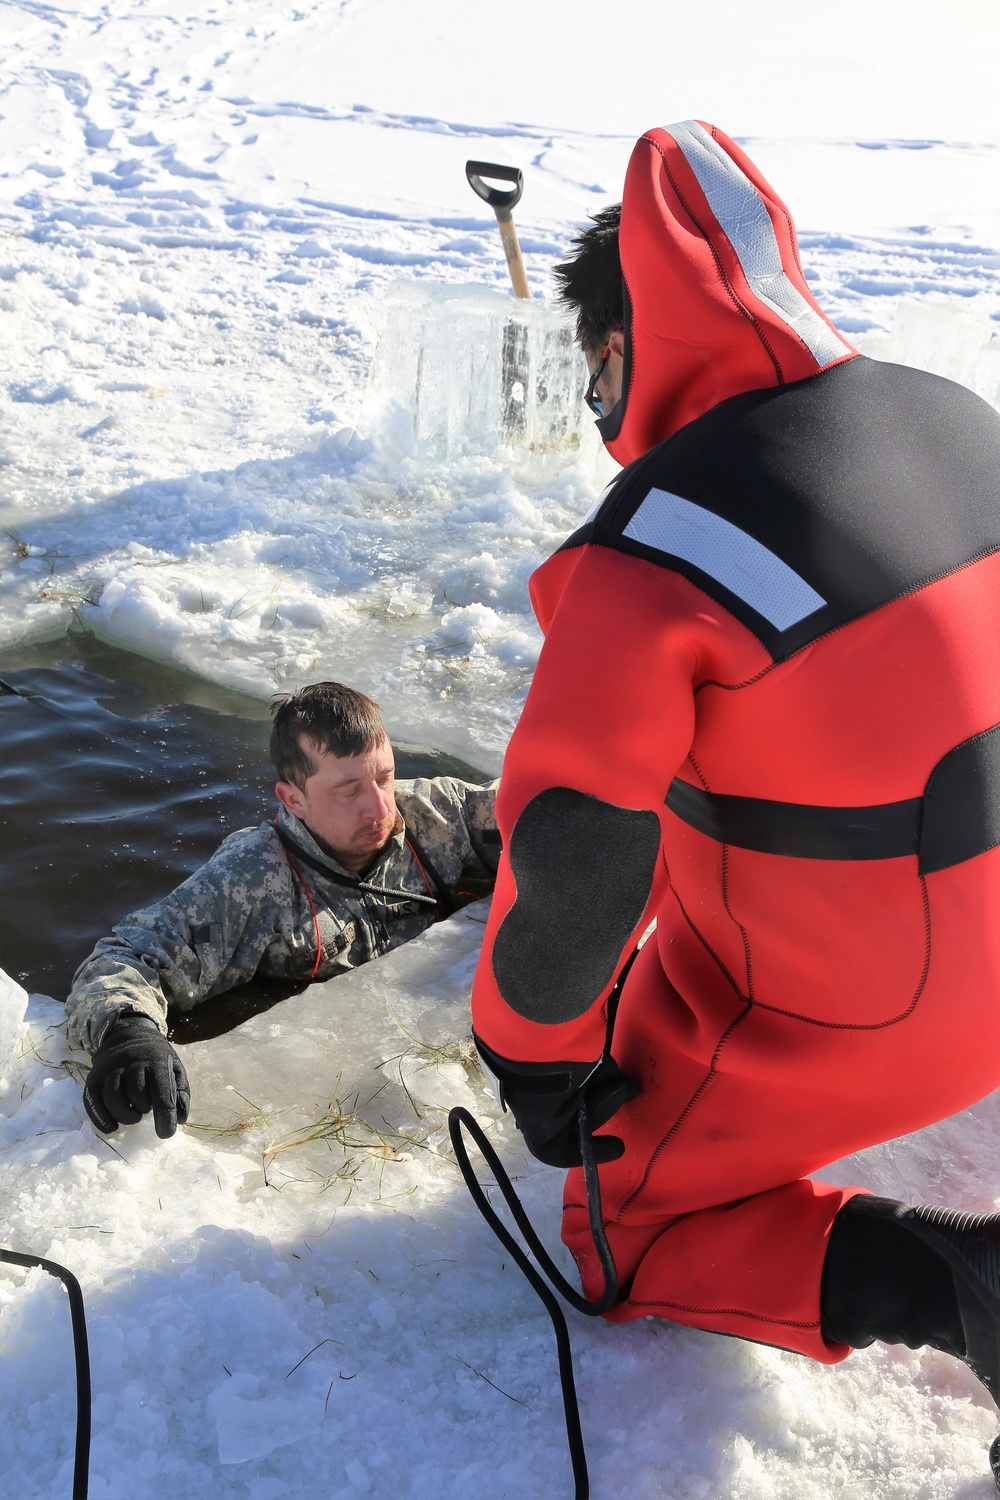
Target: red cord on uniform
pixel 430 889
pixel 312 908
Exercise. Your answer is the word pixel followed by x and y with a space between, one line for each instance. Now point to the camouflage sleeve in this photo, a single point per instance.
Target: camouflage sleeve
pixel 454 822
pixel 206 936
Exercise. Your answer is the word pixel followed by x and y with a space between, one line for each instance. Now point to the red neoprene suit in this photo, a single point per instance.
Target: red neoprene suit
pixel 787 1010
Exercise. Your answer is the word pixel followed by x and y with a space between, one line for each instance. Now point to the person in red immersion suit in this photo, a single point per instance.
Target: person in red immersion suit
pixel 766 715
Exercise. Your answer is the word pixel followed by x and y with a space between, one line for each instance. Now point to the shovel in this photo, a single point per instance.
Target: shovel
pixel 502 201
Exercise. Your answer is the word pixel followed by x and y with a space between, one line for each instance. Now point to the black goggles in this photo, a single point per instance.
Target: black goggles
pixel 590 395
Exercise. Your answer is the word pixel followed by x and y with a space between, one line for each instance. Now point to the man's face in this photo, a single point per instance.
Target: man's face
pixel 609 383
pixel 349 803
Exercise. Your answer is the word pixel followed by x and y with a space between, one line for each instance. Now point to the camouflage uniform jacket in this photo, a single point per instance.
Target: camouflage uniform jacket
pixel 247 911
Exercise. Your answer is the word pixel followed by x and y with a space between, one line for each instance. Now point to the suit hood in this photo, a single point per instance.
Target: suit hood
pixel 715 300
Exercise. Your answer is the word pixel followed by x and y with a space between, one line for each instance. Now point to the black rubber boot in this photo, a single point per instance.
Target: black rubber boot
pixel 885 1278
pixel 917 1276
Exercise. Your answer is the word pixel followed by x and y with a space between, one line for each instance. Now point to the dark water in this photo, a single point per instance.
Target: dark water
pixel 118 777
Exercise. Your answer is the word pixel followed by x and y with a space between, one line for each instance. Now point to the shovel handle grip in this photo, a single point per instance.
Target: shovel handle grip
pixel 501 200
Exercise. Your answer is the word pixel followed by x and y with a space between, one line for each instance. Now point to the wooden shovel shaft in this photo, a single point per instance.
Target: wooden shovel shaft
pixel 515 260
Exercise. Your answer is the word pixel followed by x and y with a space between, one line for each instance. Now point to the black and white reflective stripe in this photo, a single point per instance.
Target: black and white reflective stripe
pixel 743 216
pixel 595 508
pixel 668 523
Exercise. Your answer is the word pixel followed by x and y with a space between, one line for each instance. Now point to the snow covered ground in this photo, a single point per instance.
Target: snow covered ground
pixel 202 210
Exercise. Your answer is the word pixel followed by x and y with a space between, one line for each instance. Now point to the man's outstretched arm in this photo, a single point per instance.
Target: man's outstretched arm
pixel 207 935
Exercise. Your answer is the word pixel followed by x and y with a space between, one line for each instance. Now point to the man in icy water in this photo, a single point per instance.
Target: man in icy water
pixel 766 715
pixel 354 864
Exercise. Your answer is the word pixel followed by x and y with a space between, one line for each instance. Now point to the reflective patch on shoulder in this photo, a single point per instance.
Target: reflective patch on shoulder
pixel 746 223
pixel 595 510
pixel 734 558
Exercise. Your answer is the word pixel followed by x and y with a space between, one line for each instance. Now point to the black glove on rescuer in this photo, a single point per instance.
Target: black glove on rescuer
pixel 545 1100
pixel 135 1070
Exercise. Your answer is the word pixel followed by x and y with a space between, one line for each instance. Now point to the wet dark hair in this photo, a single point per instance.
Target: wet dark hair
pixel 327 716
pixel 590 281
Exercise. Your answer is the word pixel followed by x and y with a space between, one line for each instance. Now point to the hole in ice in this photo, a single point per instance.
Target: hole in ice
pixel 119 777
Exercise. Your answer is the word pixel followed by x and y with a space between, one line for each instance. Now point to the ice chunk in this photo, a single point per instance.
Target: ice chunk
pixel 433 1082
pixel 358 1475
pixel 934 336
pixel 348 1065
pixel 253 1429
pixel 987 383
pixel 383 1312
pixel 465 371
pixel 13 1004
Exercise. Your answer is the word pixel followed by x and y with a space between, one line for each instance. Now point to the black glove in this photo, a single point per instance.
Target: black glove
pixel 133 1071
pixel 545 1100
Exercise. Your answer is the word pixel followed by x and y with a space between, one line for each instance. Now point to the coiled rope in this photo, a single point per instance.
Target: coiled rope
pixel 460 1119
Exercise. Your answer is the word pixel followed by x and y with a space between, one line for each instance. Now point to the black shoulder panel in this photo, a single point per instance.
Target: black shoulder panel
pixel 584 871
pixel 804 507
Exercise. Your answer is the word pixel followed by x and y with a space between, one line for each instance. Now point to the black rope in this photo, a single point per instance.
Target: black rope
pixel 81 1464
pixel 459 1118
pixel 353 882
pixel 445 902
